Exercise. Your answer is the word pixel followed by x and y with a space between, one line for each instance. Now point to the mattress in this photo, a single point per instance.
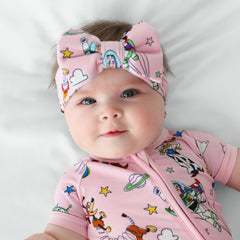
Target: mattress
pixel 201 41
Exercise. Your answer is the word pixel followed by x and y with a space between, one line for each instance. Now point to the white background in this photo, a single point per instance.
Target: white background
pixel 201 39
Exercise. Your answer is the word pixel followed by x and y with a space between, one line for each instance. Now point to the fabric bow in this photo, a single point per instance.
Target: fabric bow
pixel 81 56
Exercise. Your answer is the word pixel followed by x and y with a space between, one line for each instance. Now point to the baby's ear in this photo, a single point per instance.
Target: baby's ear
pixel 165 114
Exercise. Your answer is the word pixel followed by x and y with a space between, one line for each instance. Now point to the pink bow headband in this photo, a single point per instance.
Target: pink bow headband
pixel 81 56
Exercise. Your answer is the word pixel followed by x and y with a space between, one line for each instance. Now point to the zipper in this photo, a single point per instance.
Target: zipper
pixel 169 193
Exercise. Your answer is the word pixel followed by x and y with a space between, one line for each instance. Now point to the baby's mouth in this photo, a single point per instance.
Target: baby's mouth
pixel 113 133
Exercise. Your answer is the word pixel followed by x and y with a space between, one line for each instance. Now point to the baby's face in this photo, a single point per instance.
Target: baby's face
pixel 115 115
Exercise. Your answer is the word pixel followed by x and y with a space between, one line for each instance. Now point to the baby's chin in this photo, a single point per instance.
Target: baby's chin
pixel 116 147
pixel 113 156
pixel 117 154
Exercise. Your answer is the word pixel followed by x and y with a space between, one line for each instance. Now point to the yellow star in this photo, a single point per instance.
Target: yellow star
pixel 67 53
pixel 151 209
pixel 105 191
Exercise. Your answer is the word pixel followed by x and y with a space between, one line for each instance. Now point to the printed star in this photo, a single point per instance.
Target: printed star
pixel 158 74
pixel 69 190
pixel 178 134
pixel 151 209
pixel 105 191
pixel 67 53
pixel 149 41
pixel 170 170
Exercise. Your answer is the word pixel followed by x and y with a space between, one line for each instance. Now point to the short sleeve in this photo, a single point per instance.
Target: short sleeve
pixel 68 211
pixel 219 156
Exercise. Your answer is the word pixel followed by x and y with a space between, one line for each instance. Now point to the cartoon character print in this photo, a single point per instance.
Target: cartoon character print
pixel 111 60
pixel 155 85
pixel 170 148
pixel 98 223
pixel 88 49
pixel 137 231
pixel 58 208
pixel 192 198
pixel 129 54
pixel 65 83
pixel 131 57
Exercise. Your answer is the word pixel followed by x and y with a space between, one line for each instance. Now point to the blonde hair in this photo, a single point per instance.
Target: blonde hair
pixel 106 31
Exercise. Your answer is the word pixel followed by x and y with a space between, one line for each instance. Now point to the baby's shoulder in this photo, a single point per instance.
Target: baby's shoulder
pixel 195 141
pixel 79 169
pixel 188 135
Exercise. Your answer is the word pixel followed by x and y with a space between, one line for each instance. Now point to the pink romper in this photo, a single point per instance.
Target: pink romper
pixel 164 192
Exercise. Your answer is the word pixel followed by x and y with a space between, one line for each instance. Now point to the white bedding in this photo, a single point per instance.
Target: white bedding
pixel 201 39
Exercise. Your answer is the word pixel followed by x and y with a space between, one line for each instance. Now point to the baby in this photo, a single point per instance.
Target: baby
pixel 140 181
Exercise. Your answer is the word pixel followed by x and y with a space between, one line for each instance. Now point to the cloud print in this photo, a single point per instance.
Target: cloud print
pixel 167 234
pixel 78 77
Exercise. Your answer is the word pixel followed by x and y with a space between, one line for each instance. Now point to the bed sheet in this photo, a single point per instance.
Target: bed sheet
pixel 201 40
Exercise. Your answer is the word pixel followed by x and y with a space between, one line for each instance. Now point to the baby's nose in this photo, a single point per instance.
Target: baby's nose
pixel 111 112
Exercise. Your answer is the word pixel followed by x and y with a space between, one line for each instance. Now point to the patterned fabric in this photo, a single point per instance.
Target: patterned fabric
pixel 165 192
pixel 81 56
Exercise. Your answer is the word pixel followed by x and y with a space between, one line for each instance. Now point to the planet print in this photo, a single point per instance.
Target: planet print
pixel 136 181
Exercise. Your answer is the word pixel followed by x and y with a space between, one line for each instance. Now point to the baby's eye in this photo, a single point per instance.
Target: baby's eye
pixel 128 93
pixel 88 101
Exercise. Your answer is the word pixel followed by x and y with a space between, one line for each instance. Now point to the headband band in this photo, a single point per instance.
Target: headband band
pixel 81 56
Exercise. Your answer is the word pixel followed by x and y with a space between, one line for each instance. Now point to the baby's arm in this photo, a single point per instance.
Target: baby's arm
pixel 53 232
pixel 234 180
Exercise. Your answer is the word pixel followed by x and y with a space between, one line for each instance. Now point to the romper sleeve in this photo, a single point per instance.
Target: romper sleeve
pixel 68 211
pixel 219 156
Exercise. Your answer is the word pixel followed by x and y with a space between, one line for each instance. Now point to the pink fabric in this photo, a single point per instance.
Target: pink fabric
pixel 81 56
pixel 165 191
